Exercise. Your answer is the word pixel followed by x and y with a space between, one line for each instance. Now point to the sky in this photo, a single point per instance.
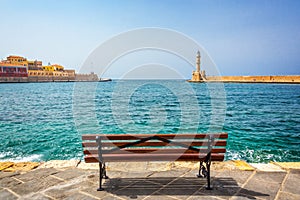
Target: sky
pixel 258 37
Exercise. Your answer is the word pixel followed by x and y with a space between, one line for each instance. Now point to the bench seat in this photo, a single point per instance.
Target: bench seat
pixel 129 157
pixel 201 147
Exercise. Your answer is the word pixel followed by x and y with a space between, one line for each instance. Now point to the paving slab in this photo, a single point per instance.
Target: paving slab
pixel 8 174
pixel 4 165
pixel 224 165
pixel 157 195
pixel 22 166
pixel 9 182
pixel 79 196
pixel 177 165
pixel 243 197
pixel 37 174
pixel 65 189
pixel 128 174
pixel 264 185
pixel 59 164
pixel 269 177
pixel 34 185
pixel 243 165
pixel 111 197
pixel 70 173
pixel 134 193
pixel 83 165
pixel 288 196
pixel 206 197
pixel 36 196
pixel 239 176
pixel 150 166
pixel 127 166
pixel 173 173
pixel 288 165
pixel 218 191
pixel 5 194
pixel 293 179
pixel 267 167
pixel 92 190
pixel 195 172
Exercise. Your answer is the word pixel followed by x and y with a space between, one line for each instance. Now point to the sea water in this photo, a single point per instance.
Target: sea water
pixel 44 121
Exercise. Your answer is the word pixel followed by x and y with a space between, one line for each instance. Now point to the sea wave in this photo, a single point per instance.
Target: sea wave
pixel 262 155
pixel 9 156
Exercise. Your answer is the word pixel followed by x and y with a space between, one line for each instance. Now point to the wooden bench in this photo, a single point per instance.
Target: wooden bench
pixel 202 147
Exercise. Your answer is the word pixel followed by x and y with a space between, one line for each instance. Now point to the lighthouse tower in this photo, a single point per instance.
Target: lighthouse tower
pixel 197 75
pixel 198 61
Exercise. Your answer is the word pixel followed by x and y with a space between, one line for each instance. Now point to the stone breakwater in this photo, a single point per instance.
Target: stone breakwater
pixel 295 79
pixel 148 166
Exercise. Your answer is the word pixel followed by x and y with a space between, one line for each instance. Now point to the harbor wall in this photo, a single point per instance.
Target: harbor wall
pixel 86 77
pixel 38 79
pixel 255 79
pixel 13 79
pixel 33 79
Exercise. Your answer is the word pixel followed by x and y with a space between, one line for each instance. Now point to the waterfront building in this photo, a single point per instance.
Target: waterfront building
pixel 19 69
pixel 44 73
pixel 17 60
pixel 11 70
pixel 53 68
pixel 35 65
pixel 14 66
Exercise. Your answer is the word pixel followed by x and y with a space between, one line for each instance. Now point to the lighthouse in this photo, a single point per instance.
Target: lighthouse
pixel 198 76
pixel 198 61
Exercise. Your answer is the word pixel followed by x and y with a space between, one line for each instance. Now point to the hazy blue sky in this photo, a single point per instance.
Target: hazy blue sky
pixel 242 37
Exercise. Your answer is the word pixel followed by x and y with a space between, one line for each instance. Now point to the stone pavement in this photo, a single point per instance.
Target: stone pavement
pixel 129 182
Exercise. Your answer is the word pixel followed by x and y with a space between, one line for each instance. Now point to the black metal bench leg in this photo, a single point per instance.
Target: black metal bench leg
pixel 208 175
pixel 105 176
pixel 208 161
pixel 201 169
pixel 101 171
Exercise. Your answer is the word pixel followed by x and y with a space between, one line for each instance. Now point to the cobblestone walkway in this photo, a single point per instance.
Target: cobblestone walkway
pixel 75 183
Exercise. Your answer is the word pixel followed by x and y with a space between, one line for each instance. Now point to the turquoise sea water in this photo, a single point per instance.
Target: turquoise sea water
pixel 43 121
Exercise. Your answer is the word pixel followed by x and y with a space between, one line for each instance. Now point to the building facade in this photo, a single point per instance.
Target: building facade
pixel 17 60
pixel 19 69
pixel 35 65
pixel 14 66
pixel 10 70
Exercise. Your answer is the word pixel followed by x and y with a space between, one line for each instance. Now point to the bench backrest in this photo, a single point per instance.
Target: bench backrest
pixel 158 147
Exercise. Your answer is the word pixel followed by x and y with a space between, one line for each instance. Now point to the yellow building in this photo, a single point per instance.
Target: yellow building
pixel 53 68
pixel 47 73
pixel 39 73
pixel 17 60
pixel 37 70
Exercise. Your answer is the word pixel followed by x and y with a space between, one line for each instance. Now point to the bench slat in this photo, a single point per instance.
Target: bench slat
pixel 166 136
pixel 152 151
pixel 151 157
pixel 153 143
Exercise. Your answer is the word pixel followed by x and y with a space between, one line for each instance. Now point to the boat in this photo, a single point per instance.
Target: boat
pixel 104 79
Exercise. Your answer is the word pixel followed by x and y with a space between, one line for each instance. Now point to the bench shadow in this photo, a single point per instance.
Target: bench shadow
pixel 172 186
